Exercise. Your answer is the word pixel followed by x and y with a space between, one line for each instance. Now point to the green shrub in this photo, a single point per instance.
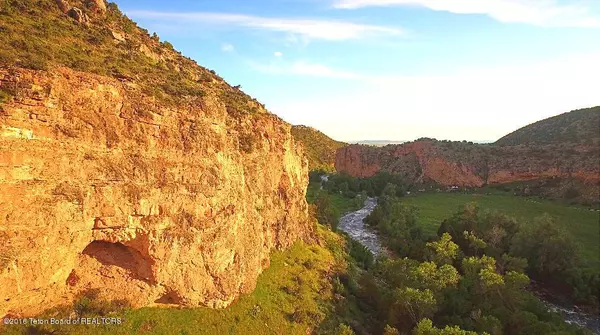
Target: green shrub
pixel 344 330
pixel 89 304
pixel 586 285
pixel 302 315
pixel 550 251
pixel 327 214
pixel 168 45
pixel 5 96
pixel 361 255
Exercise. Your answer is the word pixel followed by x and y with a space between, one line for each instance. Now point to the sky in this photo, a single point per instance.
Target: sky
pixel 394 69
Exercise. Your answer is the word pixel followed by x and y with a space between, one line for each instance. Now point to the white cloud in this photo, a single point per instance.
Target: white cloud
pixel 227 47
pixel 302 68
pixel 277 54
pixel 535 12
pixel 474 104
pixel 305 28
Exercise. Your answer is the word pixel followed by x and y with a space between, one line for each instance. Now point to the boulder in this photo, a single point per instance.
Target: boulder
pixel 78 15
pixel 118 36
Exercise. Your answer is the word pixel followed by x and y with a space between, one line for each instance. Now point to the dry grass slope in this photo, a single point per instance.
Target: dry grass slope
pixel 580 126
pixel 319 148
pixel 38 35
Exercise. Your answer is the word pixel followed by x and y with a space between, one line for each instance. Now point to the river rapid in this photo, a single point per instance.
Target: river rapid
pixel 352 223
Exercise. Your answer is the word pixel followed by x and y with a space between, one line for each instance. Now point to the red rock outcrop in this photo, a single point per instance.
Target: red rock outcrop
pixel 354 161
pixel 102 187
pixel 471 165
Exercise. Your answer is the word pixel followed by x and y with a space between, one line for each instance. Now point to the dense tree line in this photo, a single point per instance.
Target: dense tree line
pixel 471 279
pixel 545 249
pixel 351 186
pixel 354 188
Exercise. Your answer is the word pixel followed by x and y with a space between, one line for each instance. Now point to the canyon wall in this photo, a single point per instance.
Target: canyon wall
pixel 103 187
pixel 471 165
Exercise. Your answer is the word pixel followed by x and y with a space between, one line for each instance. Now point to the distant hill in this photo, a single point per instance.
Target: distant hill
pixel 383 143
pixel 576 127
pixel 320 149
pixel 378 143
pixel 555 158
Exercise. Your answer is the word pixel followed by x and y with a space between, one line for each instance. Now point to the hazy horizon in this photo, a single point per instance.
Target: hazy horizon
pixel 394 68
pixel 404 141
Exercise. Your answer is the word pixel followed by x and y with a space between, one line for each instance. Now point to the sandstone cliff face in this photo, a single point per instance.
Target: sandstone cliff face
pixel 103 187
pixel 471 165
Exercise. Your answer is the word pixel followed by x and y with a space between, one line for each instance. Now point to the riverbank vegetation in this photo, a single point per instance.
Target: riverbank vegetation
pixel 580 222
pixel 464 263
pixel 471 278
pixel 349 186
pixel 547 229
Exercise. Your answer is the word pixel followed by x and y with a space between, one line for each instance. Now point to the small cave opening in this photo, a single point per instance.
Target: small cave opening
pixel 169 298
pixel 122 256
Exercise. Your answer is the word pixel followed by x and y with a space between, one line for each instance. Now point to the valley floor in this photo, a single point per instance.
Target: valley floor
pixel 582 223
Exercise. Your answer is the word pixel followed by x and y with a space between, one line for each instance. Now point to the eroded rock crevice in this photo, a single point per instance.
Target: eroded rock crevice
pixel 119 255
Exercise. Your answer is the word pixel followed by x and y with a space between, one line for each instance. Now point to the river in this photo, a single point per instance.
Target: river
pixel 352 223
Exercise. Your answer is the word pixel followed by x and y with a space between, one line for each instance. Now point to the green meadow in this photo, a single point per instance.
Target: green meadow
pixel 582 223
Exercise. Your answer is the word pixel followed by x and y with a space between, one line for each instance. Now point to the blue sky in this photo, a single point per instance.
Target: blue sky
pixel 394 69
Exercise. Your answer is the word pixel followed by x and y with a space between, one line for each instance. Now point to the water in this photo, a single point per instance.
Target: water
pixel 352 223
pixel 575 317
pixel 324 179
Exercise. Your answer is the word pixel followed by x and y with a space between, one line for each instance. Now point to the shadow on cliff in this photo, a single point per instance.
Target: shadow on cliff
pixel 122 256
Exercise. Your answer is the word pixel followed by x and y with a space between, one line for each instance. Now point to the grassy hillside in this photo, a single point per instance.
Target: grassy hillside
pixel 578 126
pixel 319 148
pixel 581 223
pixel 39 35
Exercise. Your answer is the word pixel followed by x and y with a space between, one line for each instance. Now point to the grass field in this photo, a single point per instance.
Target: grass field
pixel 582 223
pixel 293 296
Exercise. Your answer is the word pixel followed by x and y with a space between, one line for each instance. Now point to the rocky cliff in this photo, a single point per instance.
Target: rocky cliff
pixel 564 146
pixel 146 195
pixel 472 165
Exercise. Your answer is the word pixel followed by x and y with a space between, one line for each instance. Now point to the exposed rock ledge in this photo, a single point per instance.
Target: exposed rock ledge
pixel 102 187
